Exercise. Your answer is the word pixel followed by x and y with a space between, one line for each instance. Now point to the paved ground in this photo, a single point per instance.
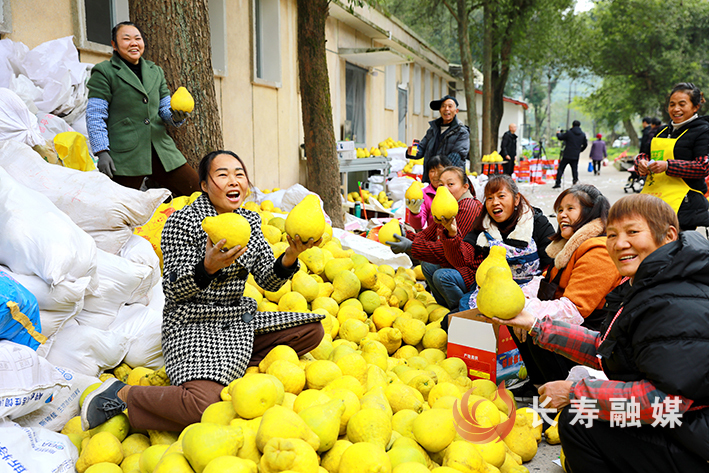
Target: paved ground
pixel 610 183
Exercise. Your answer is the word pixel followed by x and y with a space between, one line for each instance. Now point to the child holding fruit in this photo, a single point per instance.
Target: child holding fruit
pixel 418 211
pixel 210 331
pixel 435 244
pixel 126 93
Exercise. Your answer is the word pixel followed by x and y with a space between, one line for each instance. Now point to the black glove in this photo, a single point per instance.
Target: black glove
pixel 178 116
pixel 105 163
pixel 401 246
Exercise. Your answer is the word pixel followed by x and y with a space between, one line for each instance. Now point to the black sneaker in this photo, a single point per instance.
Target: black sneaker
pixel 556 186
pixel 102 404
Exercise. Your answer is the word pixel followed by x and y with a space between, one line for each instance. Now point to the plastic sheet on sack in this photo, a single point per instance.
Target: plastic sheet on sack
pixel 374 251
pixel 19 314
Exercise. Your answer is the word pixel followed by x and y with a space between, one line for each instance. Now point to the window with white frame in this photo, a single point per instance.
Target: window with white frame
pixel 426 93
pixel 267 49
pixel 436 91
pixel 417 89
pixel 390 88
pixel 97 18
pixel 5 20
pixel 405 68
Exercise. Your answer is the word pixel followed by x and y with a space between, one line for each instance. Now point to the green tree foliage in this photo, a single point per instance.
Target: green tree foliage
pixel 641 48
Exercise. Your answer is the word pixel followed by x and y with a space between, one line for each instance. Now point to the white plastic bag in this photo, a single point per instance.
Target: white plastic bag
pixel 87 350
pixel 37 238
pixel 121 281
pixel 374 251
pixel 105 210
pixel 35 450
pixel 139 250
pixel 64 405
pixel 27 381
pixel 27 91
pixel 16 121
pixel 398 186
pixel 65 297
pixel 144 326
pixel 51 125
pixel 11 56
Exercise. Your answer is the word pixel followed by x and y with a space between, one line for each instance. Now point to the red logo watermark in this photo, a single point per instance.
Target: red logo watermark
pixel 469 426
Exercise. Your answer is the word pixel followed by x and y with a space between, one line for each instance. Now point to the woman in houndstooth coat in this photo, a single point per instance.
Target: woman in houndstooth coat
pixel 210 332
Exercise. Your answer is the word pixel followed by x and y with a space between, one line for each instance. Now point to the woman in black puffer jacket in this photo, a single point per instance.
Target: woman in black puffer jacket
pixel 678 163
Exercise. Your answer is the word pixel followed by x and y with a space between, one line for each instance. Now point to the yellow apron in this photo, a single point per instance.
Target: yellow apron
pixel 670 189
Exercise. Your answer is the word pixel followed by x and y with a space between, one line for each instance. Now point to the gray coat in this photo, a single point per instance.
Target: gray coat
pixel 206 333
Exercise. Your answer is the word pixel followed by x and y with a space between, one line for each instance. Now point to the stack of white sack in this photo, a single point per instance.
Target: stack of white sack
pixel 29 387
pixel 48 78
pixel 81 290
pixel 105 210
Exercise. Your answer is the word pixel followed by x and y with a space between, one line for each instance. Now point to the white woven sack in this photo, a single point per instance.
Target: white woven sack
pixel 27 382
pixel 143 325
pixel 37 238
pixel 35 449
pixel 87 350
pixel 139 250
pixel 65 297
pixel 105 210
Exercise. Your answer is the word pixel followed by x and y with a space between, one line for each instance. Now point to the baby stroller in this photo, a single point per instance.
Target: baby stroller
pixel 635 181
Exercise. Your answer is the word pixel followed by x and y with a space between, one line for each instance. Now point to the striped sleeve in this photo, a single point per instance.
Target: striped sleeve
pixel 696 169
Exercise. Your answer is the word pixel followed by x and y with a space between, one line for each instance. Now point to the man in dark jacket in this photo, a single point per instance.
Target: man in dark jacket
pixel 575 143
pixel 508 149
pixel 447 136
pixel 645 138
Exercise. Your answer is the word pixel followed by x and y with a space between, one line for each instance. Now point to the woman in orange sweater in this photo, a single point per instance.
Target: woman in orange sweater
pixel 575 287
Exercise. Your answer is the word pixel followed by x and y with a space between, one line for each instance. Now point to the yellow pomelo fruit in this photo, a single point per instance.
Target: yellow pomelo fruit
pixel 349 311
pixel 104 467
pixel 419 273
pixel 432 355
pixel 434 429
pixel 365 457
pixel 417 312
pixel 493 452
pixel 279 352
pixel 367 275
pixel 331 459
pixel 359 259
pixel 324 348
pixel 500 296
pixel 131 462
pixel 288 454
pixel 205 442
pixel 272 234
pixel 182 100
pixel 370 425
pixel 219 413
pixel 353 330
pixel 173 463
pixel 308 398
pixel 291 375
pixel 73 426
pixel 423 383
pixel 414 191
pixel 162 437
pixel 522 440
pixel 444 205
pixel 305 285
pixel 151 456
pixel 386 269
pixel 406 454
pixel 102 447
pixel 229 464
pixel 403 422
pixel 306 219
pixel 229 226
pixel 443 389
pixel 314 259
pixel 325 289
pixel 351 403
pixel 336 266
pixel 253 395
pixel 347 382
pixel 293 302
pixel 136 373
pixel 386 233
pixel 412 330
pixel 383 317
pixel 353 364
pixel 484 409
pixel 279 223
pixel 435 338
pixel 280 422
pixel 134 443
pixel 118 426
pixel 391 338
pixel 320 373
pixel 276 296
pixel 496 258
pixel 402 396
pixel 370 301
pixel 327 303
pixel 410 467
pixel 324 420
pixel 406 352
pixel 346 285
pixel 463 456
pixel 267 306
pixel 456 367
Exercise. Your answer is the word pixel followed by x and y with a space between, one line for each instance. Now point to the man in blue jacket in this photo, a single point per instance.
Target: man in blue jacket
pixel 446 136
pixel 575 143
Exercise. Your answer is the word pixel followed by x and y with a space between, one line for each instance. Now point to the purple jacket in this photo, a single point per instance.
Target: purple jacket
pixel 598 150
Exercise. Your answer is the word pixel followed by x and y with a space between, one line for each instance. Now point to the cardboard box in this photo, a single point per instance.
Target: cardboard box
pixel 345 146
pixel 486 354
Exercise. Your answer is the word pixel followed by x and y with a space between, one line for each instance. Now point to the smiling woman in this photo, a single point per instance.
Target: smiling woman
pixel 649 347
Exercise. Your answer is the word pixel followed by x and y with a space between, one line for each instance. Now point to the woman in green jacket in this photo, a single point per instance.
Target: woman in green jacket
pixel 129 104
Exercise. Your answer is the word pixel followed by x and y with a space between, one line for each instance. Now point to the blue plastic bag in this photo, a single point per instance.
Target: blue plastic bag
pixel 590 166
pixel 19 314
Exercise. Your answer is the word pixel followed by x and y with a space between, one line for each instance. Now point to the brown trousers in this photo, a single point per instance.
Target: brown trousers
pixel 175 407
pixel 181 181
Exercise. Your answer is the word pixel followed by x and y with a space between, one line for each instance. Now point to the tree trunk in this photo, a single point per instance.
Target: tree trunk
pixel 632 134
pixel 487 144
pixel 466 57
pixel 178 40
pixel 323 166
